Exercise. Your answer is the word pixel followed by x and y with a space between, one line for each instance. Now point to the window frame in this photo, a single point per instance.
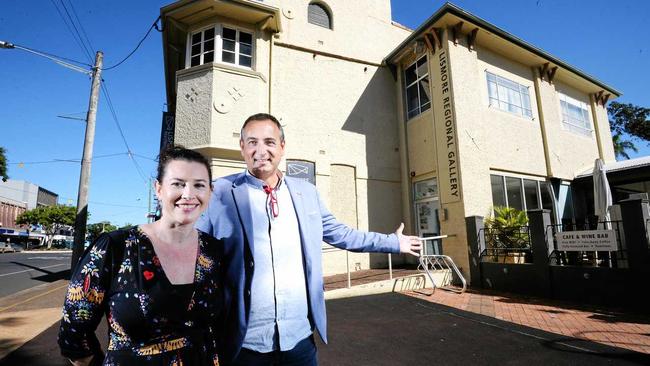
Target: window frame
pixel 416 82
pixel 218 46
pixel 522 188
pixel 567 125
pixel 520 87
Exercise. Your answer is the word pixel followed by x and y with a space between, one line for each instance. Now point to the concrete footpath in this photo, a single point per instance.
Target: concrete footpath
pixel 370 325
pixel 28 313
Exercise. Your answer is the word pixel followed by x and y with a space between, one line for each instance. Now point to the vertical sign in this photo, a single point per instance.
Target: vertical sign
pixel 304 170
pixel 445 127
pixel 167 130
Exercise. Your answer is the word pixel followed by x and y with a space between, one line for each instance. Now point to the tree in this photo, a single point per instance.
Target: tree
pixel 631 120
pixel 50 218
pixel 94 230
pixel 621 146
pixel 3 164
pixel 127 225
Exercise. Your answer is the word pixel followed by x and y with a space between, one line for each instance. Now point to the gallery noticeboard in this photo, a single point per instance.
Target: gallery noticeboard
pixel 587 240
pixel 300 169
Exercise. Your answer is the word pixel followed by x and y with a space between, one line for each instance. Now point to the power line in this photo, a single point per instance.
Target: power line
pixel 123 213
pixel 114 204
pixel 119 128
pixel 83 44
pixel 145 157
pixel 154 25
pixel 64 160
pixel 81 25
pixel 53 57
pixel 103 203
pixel 70 29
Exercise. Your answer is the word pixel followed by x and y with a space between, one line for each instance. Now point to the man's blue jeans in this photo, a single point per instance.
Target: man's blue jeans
pixel 303 354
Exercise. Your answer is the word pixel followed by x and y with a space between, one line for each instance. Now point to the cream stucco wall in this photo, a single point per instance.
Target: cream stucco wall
pixel 569 152
pixel 335 102
pixel 491 140
pixel 343 111
pixel 361 29
pixel 604 130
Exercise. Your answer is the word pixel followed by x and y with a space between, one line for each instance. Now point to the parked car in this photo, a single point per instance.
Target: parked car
pixel 62 243
pixel 17 247
pixel 6 247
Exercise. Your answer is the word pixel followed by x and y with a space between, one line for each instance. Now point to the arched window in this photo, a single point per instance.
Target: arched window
pixel 319 15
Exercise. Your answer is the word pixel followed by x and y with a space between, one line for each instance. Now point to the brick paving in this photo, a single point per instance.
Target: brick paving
pixel 614 327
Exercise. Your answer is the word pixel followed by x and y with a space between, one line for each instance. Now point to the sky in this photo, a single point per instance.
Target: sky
pixel 608 40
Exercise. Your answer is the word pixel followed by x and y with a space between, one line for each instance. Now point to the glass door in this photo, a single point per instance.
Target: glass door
pixel 427 207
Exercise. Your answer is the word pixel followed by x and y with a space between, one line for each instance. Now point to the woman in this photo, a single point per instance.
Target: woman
pixel 157 283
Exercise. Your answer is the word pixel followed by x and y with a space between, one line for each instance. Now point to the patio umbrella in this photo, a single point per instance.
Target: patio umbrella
pixel 602 194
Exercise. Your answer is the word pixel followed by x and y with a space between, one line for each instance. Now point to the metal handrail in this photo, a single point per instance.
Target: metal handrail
pixel 440 262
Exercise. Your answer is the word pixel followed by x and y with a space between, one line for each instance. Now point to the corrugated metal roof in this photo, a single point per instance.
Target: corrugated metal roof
pixel 620 165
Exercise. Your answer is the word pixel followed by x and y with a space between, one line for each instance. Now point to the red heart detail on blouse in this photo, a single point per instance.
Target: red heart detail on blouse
pixel 148 275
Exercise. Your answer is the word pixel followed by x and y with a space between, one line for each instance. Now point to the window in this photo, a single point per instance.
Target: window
pixel 513 193
pixel 317 14
pixel 416 79
pixel 202 47
pixel 426 189
pixel 498 191
pixel 575 117
pixel 522 194
pixel 508 95
pixel 233 46
pixel 530 191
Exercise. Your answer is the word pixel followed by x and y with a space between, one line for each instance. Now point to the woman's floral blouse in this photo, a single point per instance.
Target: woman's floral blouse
pixel 151 321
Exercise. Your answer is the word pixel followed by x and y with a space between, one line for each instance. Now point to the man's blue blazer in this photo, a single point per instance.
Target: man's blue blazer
pixel 228 218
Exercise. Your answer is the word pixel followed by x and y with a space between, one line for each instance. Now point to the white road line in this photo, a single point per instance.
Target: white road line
pixel 27 270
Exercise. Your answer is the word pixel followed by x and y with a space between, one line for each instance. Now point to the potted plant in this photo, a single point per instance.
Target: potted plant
pixel 507 234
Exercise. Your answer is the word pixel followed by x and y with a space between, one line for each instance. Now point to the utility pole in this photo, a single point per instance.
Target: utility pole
pixel 86 159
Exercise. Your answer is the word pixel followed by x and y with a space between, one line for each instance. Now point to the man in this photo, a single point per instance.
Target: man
pixel 272 227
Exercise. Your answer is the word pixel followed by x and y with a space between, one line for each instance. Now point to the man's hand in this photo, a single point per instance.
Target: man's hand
pixel 408 244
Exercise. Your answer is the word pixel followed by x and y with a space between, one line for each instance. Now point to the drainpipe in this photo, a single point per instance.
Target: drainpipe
pixel 599 142
pixel 270 65
pixel 542 124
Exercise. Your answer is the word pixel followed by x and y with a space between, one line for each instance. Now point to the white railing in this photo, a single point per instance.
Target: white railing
pixel 439 262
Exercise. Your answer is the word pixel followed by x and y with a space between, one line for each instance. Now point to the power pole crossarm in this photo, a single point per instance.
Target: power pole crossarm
pixel 86 159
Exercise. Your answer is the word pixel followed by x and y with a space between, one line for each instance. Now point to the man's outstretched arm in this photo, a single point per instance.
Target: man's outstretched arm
pixel 342 236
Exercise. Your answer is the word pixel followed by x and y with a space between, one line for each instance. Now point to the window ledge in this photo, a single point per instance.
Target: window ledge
pixel 221 67
pixel 512 114
pixel 588 134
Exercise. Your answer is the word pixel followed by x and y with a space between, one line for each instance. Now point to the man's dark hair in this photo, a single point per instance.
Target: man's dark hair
pixel 262 117
pixel 178 152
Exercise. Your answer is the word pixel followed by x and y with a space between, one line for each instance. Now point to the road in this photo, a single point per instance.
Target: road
pixel 20 271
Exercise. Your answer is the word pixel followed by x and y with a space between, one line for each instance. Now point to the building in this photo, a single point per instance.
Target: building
pixel 16 197
pixel 427 126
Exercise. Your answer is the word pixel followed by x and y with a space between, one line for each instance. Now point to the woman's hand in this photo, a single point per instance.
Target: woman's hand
pixel 82 361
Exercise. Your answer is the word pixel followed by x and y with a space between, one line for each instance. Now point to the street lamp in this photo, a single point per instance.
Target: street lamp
pixel 86 159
